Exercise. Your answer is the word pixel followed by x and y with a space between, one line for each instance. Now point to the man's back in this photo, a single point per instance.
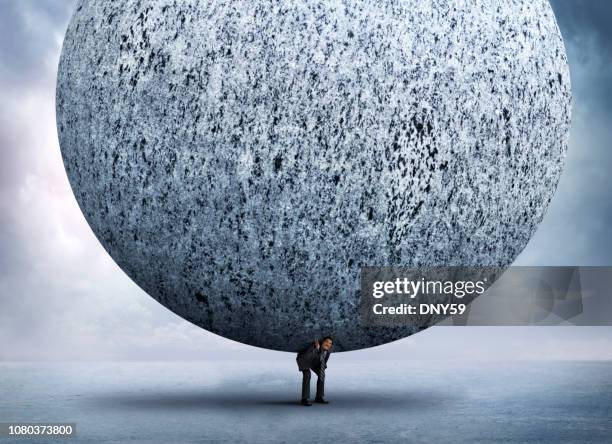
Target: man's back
pixel 307 358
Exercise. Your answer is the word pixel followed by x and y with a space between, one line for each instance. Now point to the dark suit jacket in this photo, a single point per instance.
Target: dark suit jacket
pixel 311 358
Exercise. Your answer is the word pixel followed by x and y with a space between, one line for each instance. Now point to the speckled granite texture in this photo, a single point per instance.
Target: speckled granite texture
pixel 241 160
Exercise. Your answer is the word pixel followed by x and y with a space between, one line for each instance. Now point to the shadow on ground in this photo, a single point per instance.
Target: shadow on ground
pixel 232 400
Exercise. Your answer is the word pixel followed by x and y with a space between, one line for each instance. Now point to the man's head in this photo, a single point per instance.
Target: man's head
pixel 326 343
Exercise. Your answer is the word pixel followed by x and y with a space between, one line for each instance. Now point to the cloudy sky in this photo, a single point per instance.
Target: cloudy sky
pixel 62 297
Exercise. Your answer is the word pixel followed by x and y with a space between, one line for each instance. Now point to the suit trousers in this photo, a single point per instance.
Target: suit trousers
pixel 320 372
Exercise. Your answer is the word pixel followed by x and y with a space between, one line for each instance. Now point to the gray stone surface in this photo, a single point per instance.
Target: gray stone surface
pixel 241 160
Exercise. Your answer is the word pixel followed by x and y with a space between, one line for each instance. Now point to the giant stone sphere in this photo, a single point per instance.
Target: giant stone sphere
pixel 241 160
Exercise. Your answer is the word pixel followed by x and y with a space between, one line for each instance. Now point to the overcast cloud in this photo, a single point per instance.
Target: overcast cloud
pixel 62 296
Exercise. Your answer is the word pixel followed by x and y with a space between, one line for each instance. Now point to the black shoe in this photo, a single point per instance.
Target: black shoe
pixel 321 401
pixel 305 402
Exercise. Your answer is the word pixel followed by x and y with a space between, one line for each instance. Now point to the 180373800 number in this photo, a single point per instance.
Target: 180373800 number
pixel 30 429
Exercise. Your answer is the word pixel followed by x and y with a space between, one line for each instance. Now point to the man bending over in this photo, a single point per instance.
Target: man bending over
pixel 314 358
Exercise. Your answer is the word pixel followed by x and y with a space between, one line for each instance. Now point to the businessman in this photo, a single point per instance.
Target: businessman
pixel 314 358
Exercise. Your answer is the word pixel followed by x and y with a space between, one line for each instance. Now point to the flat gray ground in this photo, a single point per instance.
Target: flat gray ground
pixel 377 401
